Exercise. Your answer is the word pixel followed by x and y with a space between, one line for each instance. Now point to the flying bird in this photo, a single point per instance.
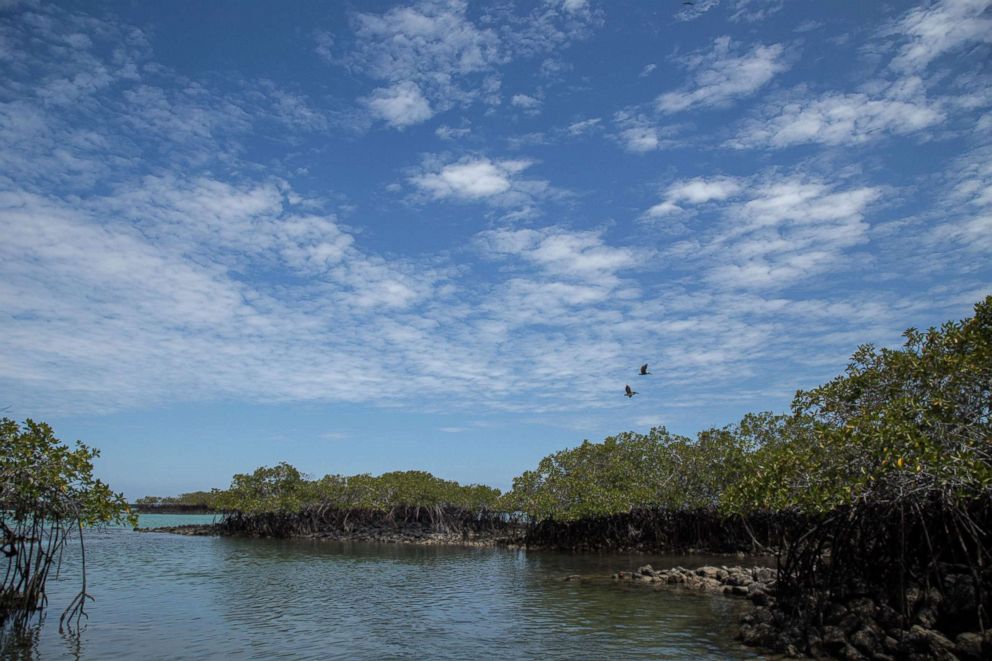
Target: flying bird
pixel 628 392
pixel 644 370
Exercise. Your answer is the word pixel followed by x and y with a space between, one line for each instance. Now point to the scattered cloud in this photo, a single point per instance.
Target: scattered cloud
pixel 451 133
pixel 838 118
pixel 639 133
pixel 646 71
pixel 694 191
pixel 939 28
pixel 528 104
pixel 690 11
pixel 723 74
pixel 434 57
pixel 561 253
pixel 583 126
pixel 400 105
pixel 752 11
pixel 776 231
pixel 471 178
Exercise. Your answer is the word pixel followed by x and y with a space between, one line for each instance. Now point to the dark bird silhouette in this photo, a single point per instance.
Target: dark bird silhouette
pixel 688 3
pixel 644 370
pixel 628 392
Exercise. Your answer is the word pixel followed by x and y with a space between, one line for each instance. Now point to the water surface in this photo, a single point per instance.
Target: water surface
pixel 162 596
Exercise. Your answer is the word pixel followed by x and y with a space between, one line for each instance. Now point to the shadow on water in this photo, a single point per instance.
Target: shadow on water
pixel 184 597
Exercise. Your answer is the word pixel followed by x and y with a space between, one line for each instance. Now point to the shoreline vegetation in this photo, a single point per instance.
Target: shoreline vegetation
pixel 874 495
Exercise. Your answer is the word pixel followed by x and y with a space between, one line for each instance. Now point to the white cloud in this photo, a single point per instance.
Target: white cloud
pixel 963 221
pixel 648 68
pixel 940 28
pixel 526 103
pixel 690 12
pixel 452 133
pixel 432 55
pixel 839 118
pixel 583 126
pixel 639 134
pixel 723 74
pixel 400 105
pixel 324 41
pixel 477 178
pixel 752 11
pixel 471 178
pixel 434 46
pixel 775 231
pixel 561 253
pixel 421 41
pixel 694 191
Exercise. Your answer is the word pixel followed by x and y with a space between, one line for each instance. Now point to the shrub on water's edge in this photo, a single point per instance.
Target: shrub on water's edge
pixel 47 494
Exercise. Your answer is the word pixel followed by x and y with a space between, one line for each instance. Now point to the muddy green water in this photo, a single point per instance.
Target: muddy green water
pixel 162 596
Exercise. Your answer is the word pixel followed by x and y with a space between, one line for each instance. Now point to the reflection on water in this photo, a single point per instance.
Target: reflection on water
pixel 163 596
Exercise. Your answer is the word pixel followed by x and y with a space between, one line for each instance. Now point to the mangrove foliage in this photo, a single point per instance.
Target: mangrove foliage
pixel 48 497
pixel 281 501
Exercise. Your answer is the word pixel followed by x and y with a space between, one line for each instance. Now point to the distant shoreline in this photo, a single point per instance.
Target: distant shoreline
pixel 173 509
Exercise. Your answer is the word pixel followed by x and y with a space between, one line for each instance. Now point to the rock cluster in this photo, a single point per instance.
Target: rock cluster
pixel 754 583
pixel 194 529
pixel 862 628
pixel 859 628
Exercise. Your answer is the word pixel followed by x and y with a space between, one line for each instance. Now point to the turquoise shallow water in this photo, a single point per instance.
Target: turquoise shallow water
pixel 162 596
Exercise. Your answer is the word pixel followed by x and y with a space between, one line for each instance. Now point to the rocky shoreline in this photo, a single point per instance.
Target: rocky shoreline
pixel 384 533
pixel 858 629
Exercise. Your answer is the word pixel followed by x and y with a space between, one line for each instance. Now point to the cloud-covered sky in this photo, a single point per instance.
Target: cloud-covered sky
pixel 444 235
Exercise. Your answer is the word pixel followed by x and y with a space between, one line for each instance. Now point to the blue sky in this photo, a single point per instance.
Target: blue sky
pixel 444 235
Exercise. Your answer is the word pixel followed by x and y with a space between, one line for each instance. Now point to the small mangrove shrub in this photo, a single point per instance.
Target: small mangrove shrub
pixel 47 495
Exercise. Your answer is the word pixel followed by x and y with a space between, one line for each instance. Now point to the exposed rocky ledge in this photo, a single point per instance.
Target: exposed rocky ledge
pixel 385 533
pixel 859 629
pixel 197 529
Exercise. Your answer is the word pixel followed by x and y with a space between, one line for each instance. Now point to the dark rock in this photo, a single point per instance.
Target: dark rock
pixel 862 606
pixel 850 623
pixel 929 641
pixel 714 573
pixel 762 616
pixel 647 570
pixel 890 644
pixel 835 613
pixel 834 638
pixel 763 574
pixel 818 650
pixel 888 617
pixel 969 645
pixel 851 653
pixel 759 634
pixel 738 590
pixel 866 640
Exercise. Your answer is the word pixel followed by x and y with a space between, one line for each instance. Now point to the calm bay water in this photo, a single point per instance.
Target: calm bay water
pixel 162 596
